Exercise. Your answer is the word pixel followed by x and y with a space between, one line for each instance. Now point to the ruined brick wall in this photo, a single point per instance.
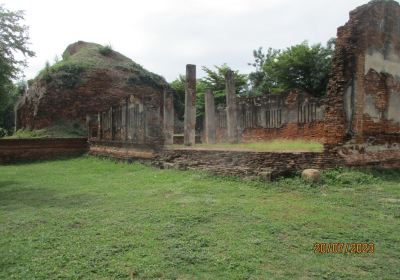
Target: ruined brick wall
pixel 289 115
pixel 362 106
pixel 239 163
pixel 17 150
pixel 364 90
pixel 313 131
pixel 121 150
pixel 136 120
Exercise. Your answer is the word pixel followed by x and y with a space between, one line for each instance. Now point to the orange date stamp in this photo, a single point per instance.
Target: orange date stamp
pixel 344 248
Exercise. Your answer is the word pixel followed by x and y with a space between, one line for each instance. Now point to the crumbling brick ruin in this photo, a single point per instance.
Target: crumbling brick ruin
pixel 132 129
pixel 289 115
pixel 83 82
pixel 363 104
pixel 358 120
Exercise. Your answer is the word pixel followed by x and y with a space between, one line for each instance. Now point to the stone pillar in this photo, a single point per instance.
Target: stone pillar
pixel 112 124
pixel 88 125
pixel 168 117
pixel 231 108
pixel 190 106
pixel 16 124
pixel 99 128
pixel 263 116
pixel 210 117
pixel 126 119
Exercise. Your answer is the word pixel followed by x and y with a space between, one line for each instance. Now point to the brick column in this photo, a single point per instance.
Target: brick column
pixel 231 112
pixel 190 106
pixel 168 117
pixel 210 117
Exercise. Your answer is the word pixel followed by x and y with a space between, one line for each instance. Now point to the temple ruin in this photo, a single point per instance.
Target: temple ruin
pixel 358 121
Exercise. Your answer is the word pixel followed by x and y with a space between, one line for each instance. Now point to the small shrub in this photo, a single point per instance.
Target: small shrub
pixel 105 50
pixel 3 132
pixel 343 177
pixel 70 74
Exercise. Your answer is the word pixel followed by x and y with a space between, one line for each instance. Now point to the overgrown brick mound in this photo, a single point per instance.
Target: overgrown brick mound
pixel 89 79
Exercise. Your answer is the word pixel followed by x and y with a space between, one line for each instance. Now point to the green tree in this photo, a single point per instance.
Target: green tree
pixel 262 80
pixel 14 41
pixel 14 91
pixel 301 67
pixel 178 85
pixel 215 79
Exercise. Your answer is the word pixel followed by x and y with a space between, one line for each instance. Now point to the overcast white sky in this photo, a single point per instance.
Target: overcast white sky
pixel 165 35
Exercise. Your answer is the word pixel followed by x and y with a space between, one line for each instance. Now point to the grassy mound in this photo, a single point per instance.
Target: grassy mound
pixel 83 57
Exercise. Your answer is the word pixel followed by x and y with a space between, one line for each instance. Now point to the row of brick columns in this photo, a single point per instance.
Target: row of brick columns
pixel 210 120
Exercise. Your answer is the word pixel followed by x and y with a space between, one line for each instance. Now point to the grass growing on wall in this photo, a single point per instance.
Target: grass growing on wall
pixel 55 131
pixel 88 218
pixel 279 145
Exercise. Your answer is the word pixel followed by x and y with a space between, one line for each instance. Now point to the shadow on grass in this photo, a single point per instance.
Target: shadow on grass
pixel 4 184
pixel 19 196
pixel 19 162
pixel 389 175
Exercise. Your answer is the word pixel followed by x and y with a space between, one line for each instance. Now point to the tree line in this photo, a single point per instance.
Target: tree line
pixel 303 67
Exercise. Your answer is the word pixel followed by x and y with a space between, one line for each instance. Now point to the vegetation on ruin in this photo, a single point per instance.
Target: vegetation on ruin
pixel 88 218
pixel 106 50
pixel 64 130
pixel 278 145
pixel 83 57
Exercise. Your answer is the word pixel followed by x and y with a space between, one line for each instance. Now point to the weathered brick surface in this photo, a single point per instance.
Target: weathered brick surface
pixel 121 150
pixel 362 118
pixel 372 30
pixel 16 150
pixel 290 115
pixel 240 163
pixel 307 131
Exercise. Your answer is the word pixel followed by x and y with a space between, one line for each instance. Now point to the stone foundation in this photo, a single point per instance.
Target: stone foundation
pixel 240 163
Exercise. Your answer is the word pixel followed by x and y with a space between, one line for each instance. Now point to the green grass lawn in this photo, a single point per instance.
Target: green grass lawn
pixel 88 218
pixel 280 145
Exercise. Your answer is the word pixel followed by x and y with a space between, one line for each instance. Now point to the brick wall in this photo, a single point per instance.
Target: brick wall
pixel 16 150
pixel 239 163
pixel 308 131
